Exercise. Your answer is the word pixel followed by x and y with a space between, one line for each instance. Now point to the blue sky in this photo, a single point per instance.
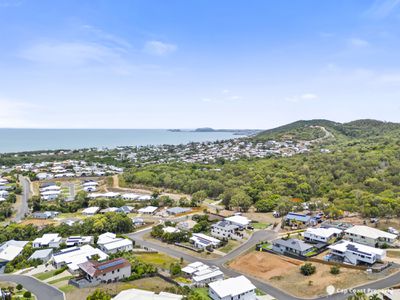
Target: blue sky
pixel 188 64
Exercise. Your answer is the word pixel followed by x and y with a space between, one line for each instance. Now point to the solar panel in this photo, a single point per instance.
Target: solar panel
pixel 110 264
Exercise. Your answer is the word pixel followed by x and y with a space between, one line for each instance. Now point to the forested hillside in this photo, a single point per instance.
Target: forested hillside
pixel 361 174
pixel 308 130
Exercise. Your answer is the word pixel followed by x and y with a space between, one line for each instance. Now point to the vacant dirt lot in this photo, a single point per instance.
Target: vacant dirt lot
pixel 284 273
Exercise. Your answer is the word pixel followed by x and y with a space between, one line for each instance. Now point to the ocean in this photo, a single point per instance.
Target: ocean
pixel 19 140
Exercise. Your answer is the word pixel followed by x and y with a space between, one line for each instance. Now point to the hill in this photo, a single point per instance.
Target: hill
pixel 313 129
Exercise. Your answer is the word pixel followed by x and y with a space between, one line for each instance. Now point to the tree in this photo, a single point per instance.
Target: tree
pixel 358 296
pixel 335 270
pixel 99 295
pixel 241 200
pixel 265 205
pixel 175 269
pixel 19 287
pixel 307 269
pixel 27 295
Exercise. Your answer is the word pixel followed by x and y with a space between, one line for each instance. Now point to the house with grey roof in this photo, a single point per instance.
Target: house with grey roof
pixel 291 246
pixel 226 230
pixel 177 210
pixel 43 255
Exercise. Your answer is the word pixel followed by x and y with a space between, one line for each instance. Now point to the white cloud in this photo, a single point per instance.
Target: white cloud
pixel 382 8
pixel 225 91
pixel 106 37
pixel 69 53
pixel 302 98
pixel 358 43
pixel 206 99
pixel 159 48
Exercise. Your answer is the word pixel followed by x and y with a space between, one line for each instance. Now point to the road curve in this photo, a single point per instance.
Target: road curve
pixel 41 290
pixel 258 236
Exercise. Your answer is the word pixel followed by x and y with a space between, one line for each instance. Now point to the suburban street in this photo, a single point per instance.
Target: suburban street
pixel 262 235
pixel 41 290
pixel 23 208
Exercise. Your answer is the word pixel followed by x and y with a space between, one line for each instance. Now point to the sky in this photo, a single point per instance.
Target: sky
pixel 197 63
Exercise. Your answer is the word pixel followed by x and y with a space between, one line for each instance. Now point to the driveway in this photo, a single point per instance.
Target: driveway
pixel 41 290
pixel 258 236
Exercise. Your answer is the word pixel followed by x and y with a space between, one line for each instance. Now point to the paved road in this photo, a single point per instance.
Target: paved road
pixel 262 235
pixel 23 208
pixel 41 290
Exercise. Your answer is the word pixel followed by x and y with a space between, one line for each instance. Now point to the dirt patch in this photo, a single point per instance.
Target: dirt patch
pixel 38 222
pixel 284 273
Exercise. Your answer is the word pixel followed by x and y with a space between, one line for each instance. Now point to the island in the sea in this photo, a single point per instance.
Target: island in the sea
pixel 209 129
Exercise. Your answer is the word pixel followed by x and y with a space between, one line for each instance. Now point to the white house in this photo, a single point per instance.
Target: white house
pixel 226 230
pixel 369 236
pixel 323 235
pixel 10 250
pixel 105 272
pixel 48 240
pixel 149 210
pixel 77 240
pixel 74 256
pixel 202 274
pixel 91 211
pixel 232 289
pixel 145 295
pixel 109 243
pixel 202 241
pixel 240 221
pixel 355 254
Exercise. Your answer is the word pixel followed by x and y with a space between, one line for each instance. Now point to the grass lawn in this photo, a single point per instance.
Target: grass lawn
pixel 232 244
pixel 67 288
pixel 267 246
pixel 203 292
pixel 158 259
pixel 45 275
pixel 60 279
pixel 259 225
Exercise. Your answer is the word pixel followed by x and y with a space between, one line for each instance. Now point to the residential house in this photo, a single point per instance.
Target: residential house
pixel 177 210
pixel 356 254
pixel 291 246
pixel 48 240
pixel 240 221
pixel 226 230
pixel 45 214
pixel 202 274
pixel 296 218
pixel 10 250
pixel 91 211
pixel 203 241
pixel 321 235
pixel 43 255
pixel 72 257
pixel 126 209
pixel 149 210
pixel 369 236
pixel 145 295
pixel 109 243
pixel 105 272
pixel 232 289
pixel 77 240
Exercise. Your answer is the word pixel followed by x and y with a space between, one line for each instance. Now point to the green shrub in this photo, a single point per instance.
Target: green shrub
pixel 307 269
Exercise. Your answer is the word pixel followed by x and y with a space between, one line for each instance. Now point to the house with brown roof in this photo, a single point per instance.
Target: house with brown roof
pixel 114 270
